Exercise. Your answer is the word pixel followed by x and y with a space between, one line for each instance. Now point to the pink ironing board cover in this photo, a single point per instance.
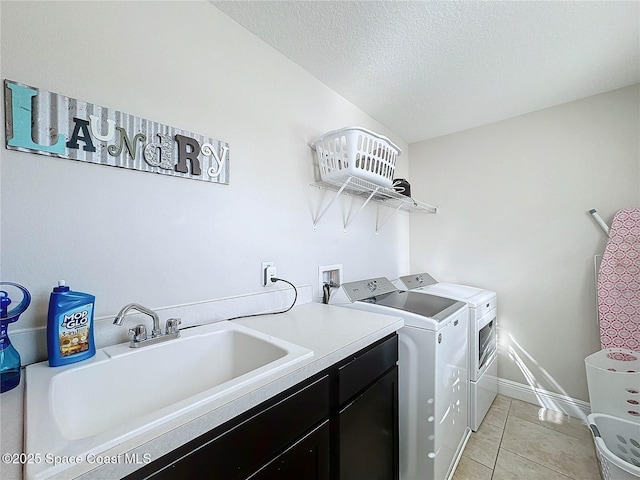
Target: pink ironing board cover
pixel 619 283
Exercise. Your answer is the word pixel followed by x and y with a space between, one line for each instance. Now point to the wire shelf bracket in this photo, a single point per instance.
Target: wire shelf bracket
pixel 380 225
pixel 371 192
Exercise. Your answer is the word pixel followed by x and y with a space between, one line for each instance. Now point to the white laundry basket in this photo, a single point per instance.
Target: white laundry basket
pixel 613 378
pixel 356 152
pixel 617 444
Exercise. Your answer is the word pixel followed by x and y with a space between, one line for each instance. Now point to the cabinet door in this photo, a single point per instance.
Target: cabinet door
pixel 368 432
pixel 243 449
pixel 307 459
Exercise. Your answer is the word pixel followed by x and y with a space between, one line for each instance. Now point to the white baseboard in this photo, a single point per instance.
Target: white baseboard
pixel 544 398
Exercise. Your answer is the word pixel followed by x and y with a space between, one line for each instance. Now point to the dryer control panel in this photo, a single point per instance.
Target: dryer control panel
pixel 417 280
pixel 363 289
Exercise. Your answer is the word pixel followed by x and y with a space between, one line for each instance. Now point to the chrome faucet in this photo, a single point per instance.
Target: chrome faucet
pixel 138 334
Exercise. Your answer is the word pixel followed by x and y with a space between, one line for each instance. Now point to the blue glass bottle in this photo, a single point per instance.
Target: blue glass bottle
pixel 9 356
pixel 9 361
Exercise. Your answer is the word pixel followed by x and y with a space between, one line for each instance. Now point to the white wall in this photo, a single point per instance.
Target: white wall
pixel 129 236
pixel 514 197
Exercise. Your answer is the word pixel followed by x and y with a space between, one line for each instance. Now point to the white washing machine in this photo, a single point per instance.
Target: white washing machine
pixel 432 373
pixel 483 335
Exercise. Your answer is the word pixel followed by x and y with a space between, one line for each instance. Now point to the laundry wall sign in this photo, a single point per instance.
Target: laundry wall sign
pixel 38 121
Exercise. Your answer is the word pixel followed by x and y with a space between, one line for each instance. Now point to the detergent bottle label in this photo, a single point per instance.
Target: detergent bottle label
pixel 73 330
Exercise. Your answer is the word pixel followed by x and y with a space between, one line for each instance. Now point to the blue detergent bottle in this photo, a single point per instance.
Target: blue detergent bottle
pixel 9 356
pixel 69 326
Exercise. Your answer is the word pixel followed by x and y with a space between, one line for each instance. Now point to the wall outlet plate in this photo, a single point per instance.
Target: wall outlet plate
pixel 331 274
pixel 266 281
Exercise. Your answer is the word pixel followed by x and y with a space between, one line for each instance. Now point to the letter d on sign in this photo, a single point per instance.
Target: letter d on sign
pixel 21 114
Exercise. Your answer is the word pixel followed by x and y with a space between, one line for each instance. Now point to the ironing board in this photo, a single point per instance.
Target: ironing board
pixel 619 283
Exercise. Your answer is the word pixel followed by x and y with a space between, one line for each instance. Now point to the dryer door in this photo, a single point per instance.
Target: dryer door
pixel 485 344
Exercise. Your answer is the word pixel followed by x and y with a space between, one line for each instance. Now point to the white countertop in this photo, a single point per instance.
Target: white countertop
pixel 333 333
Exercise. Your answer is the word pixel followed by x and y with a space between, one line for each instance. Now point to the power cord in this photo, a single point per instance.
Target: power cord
pixel 295 290
pixel 274 280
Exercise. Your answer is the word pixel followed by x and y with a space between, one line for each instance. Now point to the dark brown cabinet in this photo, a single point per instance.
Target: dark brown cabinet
pixel 306 459
pixel 367 415
pixel 341 424
pixel 368 433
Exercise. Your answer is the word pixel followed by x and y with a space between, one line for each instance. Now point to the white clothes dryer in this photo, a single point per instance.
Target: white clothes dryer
pixel 483 337
pixel 432 373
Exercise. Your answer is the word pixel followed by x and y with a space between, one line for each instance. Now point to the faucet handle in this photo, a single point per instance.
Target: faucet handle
pixel 172 325
pixel 138 333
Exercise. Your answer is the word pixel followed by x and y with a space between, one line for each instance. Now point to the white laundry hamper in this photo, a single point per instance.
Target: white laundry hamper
pixel 356 152
pixel 617 444
pixel 613 378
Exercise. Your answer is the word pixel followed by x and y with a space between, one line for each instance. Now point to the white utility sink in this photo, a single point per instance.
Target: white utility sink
pixel 88 407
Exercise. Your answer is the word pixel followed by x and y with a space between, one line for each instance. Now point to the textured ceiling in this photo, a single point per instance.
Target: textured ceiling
pixel 427 68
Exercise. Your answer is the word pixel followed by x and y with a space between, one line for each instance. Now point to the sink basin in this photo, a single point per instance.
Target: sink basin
pixel 121 392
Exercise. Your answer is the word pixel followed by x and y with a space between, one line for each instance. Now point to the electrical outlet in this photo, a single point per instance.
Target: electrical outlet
pixel 331 274
pixel 268 271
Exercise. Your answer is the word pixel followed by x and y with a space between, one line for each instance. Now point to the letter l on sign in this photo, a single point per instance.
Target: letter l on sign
pixel 21 118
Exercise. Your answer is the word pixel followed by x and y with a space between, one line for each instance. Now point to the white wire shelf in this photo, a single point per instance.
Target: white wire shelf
pixel 370 192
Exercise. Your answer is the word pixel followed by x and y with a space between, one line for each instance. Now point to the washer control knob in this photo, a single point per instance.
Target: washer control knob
pixel 372 285
pixel 419 279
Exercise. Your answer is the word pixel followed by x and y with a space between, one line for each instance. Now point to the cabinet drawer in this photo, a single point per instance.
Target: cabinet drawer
pixel 364 368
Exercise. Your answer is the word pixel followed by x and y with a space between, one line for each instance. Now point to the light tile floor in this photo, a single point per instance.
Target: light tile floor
pixel 521 441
